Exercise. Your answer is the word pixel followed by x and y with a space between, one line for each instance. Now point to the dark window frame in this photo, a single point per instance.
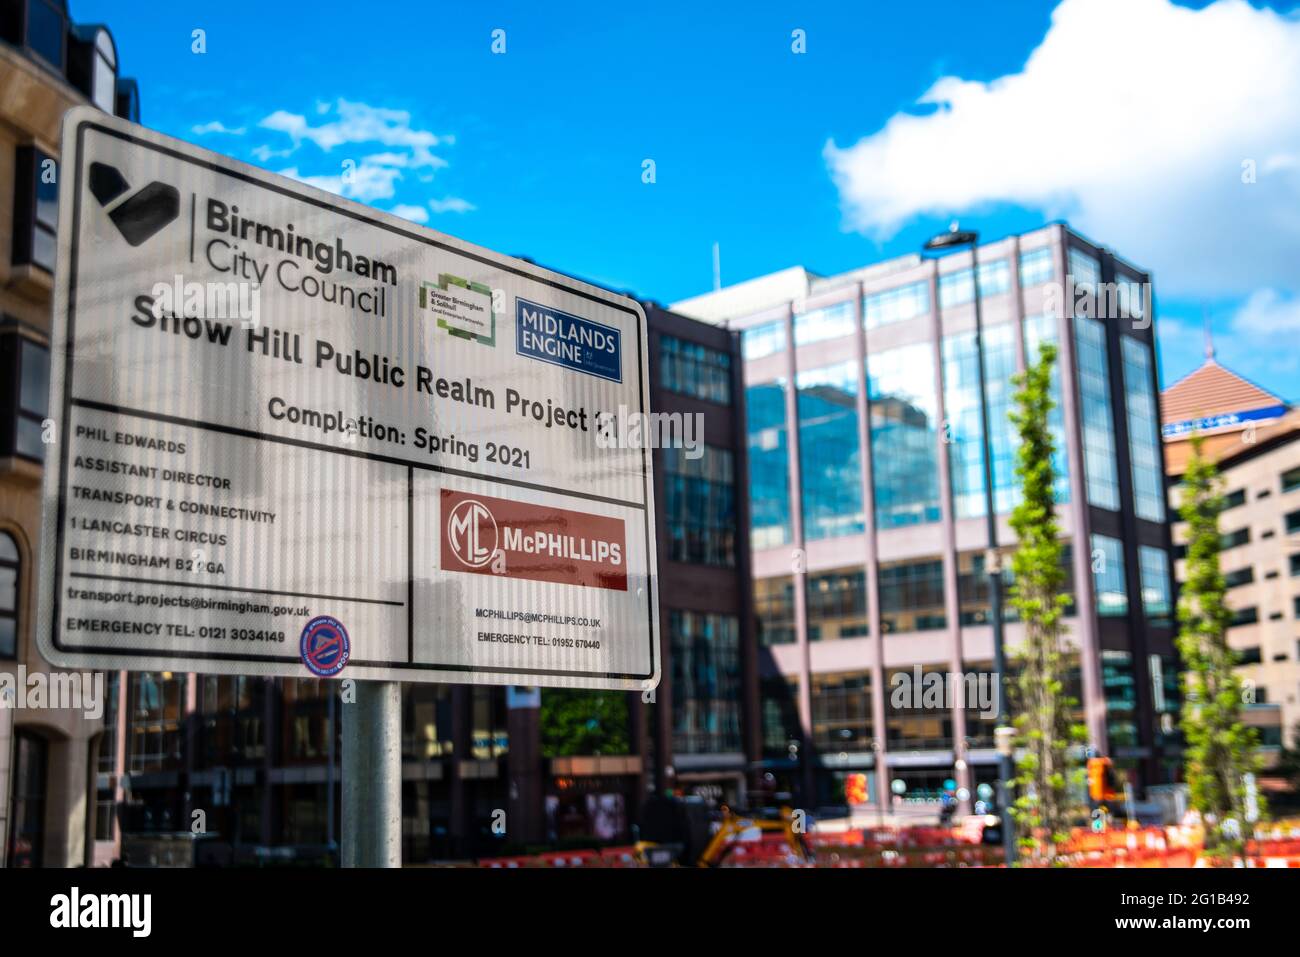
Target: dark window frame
pixel 11 614
pixel 28 163
pixel 13 414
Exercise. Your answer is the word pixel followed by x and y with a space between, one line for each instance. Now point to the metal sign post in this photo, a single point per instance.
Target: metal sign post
pixel 372 776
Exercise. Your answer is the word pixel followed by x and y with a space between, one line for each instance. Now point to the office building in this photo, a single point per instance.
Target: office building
pixel 1254 437
pixel 48 65
pixel 867 506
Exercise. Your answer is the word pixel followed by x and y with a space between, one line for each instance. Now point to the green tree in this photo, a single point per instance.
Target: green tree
pixel 575 722
pixel 1220 749
pixel 1046 770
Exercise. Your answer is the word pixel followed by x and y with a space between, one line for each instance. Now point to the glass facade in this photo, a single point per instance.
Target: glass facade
pixel 1084 270
pixel 700 501
pixel 706 682
pixel 904 436
pixel 830 322
pixel 1095 410
pixel 896 305
pixel 962 408
pixel 1108 575
pixel 1157 603
pixel 769 465
pixel 837 604
pixel 830 462
pixel 1120 689
pixel 765 340
pixel 915 721
pixel 956 288
pixel 154 733
pixel 1143 431
pixel 689 368
pixel 780 698
pixel 841 711
pixel 911 595
pixel 774 610
pixel 1036 267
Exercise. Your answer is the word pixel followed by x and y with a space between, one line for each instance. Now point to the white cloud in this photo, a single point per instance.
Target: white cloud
pixel 451 204
pixel 416 214
pixel 359 123
pixel 1133 119
pixel 264 153
pixel 216 126
pixel 366 182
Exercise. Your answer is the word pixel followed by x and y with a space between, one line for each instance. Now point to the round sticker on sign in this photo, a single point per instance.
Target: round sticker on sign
pixel 325 646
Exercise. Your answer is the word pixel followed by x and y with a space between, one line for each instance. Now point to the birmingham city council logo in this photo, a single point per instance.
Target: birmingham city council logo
pixel 142 213
pixel 472 533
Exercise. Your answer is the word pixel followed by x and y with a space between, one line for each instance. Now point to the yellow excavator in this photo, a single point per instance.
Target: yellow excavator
pixel 727 836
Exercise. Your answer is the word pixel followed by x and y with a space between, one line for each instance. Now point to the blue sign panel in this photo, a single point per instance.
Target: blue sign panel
pixel 1224 420
pixel 566 340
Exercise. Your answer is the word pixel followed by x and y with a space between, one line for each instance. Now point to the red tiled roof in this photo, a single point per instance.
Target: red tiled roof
pixel 1212 390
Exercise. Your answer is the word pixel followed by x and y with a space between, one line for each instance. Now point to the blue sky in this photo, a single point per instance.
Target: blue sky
pixel 1137 120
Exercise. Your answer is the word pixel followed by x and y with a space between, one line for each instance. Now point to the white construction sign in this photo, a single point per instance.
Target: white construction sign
pixel 294 435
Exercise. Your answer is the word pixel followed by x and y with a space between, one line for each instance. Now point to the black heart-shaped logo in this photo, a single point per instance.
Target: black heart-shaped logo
pixel 139 216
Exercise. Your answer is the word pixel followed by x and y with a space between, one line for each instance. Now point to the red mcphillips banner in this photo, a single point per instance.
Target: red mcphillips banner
pixel 484 535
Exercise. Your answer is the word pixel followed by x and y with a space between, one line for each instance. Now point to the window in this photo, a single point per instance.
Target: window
pixel 769 465
pixel 1291 480
pixel 1157 604
pixel 1239 577
pixel 1085 271
pixel 23 405
pixel 962 407
pixel 1095 411
pixel 9 580
pixel 831 322
pixel 830 463
pixel 1295 565
pixel 774 610
pixel 231 720
pixel 1234 499
pixel 36 208
pixel 1119 688
pixel 700 499
pixel 107 763
pixel 689 368
pixel 1108 576
pixel 39 25
pixel 1244 616
pixel 1249 656
pixel 841 718
pixel 1232 539
pixel 706 682
pixel 781 731
pixel 488 736
pixel 916 721
pixel 896 305
pixel 1144 431
pixel 1128 297
pixel 765 340
pixel 904 435
pixel 973 588
pixel 1293 522
pixel 911 596
pixel 957 287
pixel 27 813
pixel 837 604
pixel 92 66
pixel 154 716
pixel 426 722
pixel 1035 267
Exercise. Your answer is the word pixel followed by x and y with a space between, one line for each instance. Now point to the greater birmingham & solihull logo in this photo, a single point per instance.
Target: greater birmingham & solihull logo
pixel 463 308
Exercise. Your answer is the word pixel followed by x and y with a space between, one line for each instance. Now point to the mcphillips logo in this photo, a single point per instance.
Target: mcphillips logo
pixel 472 533
pixel 141 214
pixel 484 535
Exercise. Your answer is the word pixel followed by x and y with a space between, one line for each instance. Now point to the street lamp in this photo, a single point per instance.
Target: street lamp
pixel 952 239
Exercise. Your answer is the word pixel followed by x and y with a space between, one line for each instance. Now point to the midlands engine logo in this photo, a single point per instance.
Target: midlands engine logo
pixel 142 213
pixel 462 307
pixel 483 535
